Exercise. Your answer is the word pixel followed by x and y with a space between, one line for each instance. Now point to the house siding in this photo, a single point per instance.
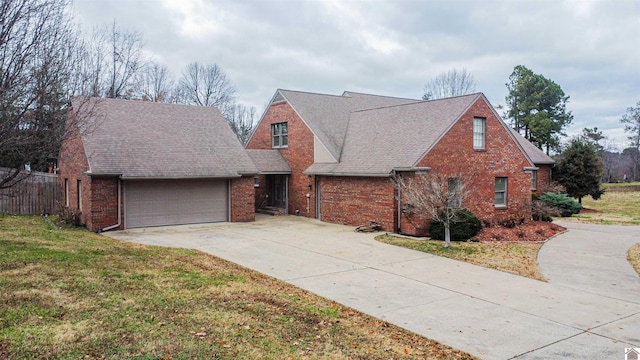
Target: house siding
pixel 299 155
pixel 502 157
pixel 357 201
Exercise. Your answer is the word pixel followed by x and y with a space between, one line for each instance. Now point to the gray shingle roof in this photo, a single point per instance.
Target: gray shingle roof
pixel 382 139
pixel 138 139
pixel 537 156
pixel 328 115
pixel 269 161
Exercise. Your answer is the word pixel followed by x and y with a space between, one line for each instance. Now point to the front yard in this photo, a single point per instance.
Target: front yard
pixel 516 250
pixel 72 294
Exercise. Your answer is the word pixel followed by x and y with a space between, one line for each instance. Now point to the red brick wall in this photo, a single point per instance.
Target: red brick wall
pixel 544 178
pixel 242 199
pixel 357 200
pixel 72 165
pixel 299 154
pixel 454 154
pixel 99 195
pixel 104 204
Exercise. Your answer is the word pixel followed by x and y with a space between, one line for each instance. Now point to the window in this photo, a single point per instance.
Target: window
pixel 453 189
pixel 79 195
pixel 479 133
pixel 66 192
pixel 501 191
pixel 534 179
pixel 279 135
pixel 256 181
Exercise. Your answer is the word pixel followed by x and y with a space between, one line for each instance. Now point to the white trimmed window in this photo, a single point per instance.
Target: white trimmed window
pixel 279 135
pixel 79 195
pixel 534 179
pixel 479 133
pixel 454 196
pixel 66 192
pixel 501 191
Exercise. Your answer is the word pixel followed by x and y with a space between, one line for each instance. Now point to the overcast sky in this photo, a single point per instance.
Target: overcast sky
pixel 393 47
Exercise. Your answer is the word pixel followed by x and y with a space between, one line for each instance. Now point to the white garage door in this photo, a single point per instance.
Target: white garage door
pixel 175 202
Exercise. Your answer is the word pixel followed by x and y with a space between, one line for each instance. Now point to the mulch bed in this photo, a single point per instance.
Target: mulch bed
pixel 532 231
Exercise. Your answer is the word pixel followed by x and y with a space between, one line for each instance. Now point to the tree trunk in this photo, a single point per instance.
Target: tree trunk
pixel 447 235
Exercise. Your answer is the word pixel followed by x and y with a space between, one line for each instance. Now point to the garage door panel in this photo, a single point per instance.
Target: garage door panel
pixel 156 203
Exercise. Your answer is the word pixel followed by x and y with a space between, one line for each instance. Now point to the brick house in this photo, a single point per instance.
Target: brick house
pixel 342 151
pixel 136 164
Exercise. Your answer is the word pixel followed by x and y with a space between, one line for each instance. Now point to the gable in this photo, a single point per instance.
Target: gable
pixel 383 139
pixel 138 139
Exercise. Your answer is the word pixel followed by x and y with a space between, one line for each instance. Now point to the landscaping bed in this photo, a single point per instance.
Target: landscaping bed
pixel 531 231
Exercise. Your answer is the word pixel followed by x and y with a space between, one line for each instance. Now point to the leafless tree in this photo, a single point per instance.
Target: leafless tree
pixel 631 121
pixel 242 120
pixel 451 83
pixel 206 86
pixel 436 196
pixel 37 55
pixel 155 83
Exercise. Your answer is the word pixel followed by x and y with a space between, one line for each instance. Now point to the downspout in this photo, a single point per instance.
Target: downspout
pixel 399 215
pixel 119 210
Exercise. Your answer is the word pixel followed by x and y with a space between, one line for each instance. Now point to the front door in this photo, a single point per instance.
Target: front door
pixel 277 190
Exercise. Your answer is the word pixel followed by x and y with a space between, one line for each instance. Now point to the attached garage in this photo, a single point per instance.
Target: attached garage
pixel 175 202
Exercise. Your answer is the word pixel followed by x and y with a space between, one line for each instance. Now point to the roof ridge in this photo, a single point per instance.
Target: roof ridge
pixel 310 93
pixel 419 102
pixel 376 95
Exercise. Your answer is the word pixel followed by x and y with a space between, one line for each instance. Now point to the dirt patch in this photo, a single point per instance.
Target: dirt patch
pixel 533 231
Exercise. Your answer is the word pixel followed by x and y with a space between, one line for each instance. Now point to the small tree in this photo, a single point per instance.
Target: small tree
pixel 436 196
pixel 579 170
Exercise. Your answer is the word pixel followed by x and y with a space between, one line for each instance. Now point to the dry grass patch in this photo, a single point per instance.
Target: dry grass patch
pixel 519 258
pixel 634 257
pixel 70 294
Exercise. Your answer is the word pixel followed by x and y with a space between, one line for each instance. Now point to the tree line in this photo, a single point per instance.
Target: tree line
pixel 45 60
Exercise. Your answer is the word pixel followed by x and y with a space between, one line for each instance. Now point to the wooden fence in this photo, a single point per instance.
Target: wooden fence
pixel 40 193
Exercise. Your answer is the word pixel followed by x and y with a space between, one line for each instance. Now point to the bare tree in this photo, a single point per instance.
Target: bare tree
pixel 155 83
pixel 36 57
pixel 436 196
pixel 631 121
pixel 242 120
pixel 451 83
pixel 206 86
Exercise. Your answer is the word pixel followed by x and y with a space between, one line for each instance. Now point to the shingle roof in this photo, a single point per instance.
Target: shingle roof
pixel 139 139
pixel 382 139
pixel 269 161
pixel 537 156
pixel 328 115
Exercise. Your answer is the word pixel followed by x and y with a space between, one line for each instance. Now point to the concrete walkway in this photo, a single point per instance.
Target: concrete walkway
pixel 490 314
pixel 593 258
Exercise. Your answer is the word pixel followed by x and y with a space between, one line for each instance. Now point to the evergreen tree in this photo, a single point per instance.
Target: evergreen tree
pixel 537 108
pixel 579 170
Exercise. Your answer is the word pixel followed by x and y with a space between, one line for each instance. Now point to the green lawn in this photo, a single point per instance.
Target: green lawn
pixel 72 294
pixel 620 205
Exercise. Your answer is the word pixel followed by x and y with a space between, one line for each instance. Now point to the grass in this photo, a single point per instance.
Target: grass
pixel 634 257
pixel 517 258
pixel 70 294
pixel 619 205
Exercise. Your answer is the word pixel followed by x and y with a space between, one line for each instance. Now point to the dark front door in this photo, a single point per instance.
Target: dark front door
pixel 277 190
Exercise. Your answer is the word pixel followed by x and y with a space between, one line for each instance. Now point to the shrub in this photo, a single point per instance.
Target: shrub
pixel 465 226
pixel 565 204
pixel 542 211
pixel 70 216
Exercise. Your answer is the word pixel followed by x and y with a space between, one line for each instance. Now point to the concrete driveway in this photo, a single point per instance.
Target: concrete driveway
pixel 490 314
